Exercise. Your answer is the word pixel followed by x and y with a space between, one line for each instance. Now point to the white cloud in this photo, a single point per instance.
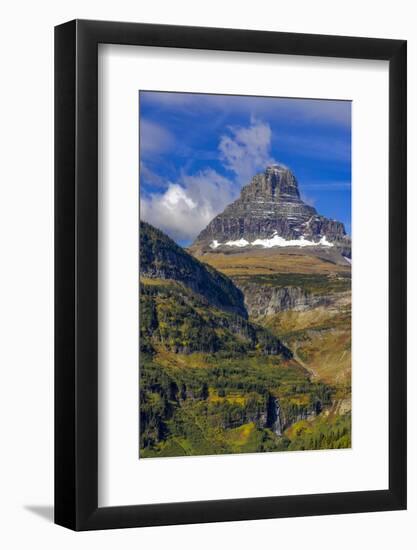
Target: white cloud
pixel 186 207
pixel 247 149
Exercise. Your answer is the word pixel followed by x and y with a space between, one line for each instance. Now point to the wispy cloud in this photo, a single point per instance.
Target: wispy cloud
pixel 187 206
pixel 323 112
pixel 317 147
pixel 149 177
pixel 154 139
pixel 245 150
pixel 308 199
pixel 327 186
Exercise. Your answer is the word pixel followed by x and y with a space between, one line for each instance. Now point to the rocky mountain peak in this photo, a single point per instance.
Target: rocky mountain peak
pixel 270 210
pixel 277 183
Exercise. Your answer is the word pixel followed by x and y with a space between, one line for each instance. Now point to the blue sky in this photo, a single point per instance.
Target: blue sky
pixel 198 150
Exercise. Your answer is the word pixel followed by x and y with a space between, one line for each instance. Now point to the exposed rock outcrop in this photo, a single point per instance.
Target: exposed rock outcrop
pixel 267 300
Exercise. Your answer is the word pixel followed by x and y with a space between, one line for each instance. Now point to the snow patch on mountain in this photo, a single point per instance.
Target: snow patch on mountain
pixel 275 240
pixel 240 243
pixel 215 244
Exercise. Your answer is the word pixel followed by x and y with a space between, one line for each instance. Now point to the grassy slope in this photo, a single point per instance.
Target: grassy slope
pixel 320 339
pixel 267 262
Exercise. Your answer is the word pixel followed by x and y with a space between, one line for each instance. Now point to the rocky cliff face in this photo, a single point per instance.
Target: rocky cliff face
pixel 264 300
pixel 271 205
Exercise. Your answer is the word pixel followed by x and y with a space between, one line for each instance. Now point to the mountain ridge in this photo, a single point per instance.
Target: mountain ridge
pixel 162 258
pixel 181 305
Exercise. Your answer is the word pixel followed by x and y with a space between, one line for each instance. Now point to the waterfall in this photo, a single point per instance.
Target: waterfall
pixel 277 427
pixel 273 421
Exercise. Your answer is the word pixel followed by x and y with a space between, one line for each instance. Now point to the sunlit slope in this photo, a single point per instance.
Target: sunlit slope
pixel 276 260
pixel 302 298
pixel 320 339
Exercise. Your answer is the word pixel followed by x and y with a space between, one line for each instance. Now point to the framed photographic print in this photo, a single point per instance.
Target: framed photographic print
pixel 230 275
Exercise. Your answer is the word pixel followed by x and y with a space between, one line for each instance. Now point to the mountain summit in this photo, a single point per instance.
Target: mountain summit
pixel 270 212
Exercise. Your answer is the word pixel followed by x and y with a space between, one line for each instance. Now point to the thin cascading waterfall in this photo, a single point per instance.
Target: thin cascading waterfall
pixel 274 415
pixel 277 427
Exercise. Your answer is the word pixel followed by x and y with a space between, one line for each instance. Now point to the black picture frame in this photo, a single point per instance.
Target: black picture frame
pixel 76 272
